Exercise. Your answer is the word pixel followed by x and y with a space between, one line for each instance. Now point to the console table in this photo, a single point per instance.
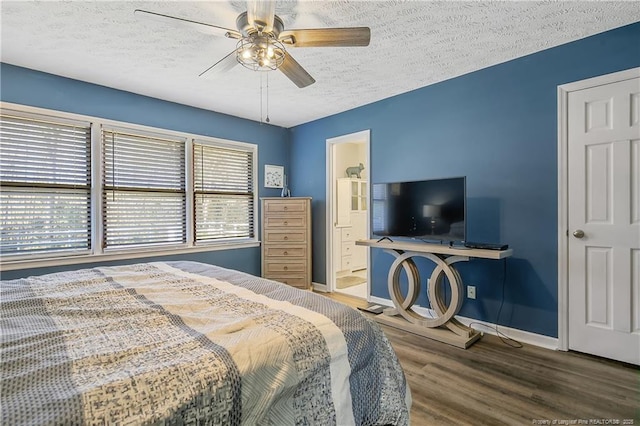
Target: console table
pixel 444 326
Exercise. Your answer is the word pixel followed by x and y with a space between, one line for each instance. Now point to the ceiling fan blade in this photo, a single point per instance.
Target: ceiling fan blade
pixel 199 26
pixel 222 66
pixel 330 37
pixel 294 71
pixel 260 14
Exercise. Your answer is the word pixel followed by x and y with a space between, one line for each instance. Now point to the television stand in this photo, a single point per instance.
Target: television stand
pixel 444 326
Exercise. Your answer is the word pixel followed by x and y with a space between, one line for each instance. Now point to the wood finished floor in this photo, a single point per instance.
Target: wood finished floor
pixel 494 384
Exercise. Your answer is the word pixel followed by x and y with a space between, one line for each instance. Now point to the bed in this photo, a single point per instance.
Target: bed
pixel 190 343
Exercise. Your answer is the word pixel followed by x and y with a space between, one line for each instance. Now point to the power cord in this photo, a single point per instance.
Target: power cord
pixel 503 337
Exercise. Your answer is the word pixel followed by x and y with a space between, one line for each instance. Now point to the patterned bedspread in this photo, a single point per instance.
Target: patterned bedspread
pixel 189 343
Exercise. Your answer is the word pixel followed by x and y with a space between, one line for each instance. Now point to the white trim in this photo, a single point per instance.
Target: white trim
pixel 563 199
pixel 331 219
pixel 563 226
pixel 601 80
pixel 189 187
pixel 363 135
pixel 43 114
pixel 97 231
pixel 521 336
pixel 322 288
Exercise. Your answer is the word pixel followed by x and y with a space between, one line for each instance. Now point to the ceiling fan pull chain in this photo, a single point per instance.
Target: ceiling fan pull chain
pixel 268 98
pixel 260 98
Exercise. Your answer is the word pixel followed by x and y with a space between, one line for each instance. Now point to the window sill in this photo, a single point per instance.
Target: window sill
pixel 13 265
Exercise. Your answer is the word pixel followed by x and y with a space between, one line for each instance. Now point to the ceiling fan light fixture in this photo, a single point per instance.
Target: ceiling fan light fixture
pixel 260 52
pixel 246 53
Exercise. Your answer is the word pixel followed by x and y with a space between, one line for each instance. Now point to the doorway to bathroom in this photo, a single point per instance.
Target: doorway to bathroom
pixel 348 214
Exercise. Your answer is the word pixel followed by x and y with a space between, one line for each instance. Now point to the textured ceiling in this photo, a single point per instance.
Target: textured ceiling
pixel 413 44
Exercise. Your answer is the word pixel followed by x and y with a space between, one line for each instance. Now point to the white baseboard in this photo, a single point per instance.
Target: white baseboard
pixel 486 327
pixel 319 287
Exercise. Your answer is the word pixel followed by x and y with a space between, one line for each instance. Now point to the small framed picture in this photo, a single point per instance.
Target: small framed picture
pixel 273 176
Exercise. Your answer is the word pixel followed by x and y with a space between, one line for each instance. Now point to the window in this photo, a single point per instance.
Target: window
pixel 45 183
pixel 223 183
pixel 143 189
pixel 79 187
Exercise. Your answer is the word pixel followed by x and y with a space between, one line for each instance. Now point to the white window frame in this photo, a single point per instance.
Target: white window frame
pixel 154 135
pixel 221 143
pixel 98 254
pixel 35 116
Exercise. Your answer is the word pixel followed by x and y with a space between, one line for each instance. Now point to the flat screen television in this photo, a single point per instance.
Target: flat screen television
pixel 429 210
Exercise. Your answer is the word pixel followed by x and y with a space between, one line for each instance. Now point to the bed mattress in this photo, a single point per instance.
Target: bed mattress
pixel 190 343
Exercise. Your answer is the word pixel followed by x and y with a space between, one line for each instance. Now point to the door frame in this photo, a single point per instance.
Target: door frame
pixel 563 191
pixel 363 135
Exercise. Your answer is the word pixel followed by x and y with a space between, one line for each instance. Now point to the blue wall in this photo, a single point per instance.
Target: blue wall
pixel 498 127
pixel 28 87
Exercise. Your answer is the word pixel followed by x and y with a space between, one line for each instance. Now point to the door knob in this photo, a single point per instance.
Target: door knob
pixel 578 233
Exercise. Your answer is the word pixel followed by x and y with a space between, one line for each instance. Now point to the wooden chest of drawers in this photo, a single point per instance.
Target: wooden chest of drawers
pixel 286 240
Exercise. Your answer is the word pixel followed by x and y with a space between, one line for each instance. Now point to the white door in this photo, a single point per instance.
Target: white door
pixel 604 220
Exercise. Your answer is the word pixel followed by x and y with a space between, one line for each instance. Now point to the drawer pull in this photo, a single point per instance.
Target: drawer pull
pixel 286 223
pixel 286 208
pixel 286 238
pixel 286 253
pixel 286 268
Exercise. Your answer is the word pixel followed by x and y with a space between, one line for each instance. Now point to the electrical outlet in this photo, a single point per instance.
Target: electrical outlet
pixel 471 291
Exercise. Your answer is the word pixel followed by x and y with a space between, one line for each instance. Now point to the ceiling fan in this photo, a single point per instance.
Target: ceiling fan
pixel 262 39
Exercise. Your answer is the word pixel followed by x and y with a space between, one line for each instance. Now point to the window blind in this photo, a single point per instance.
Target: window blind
pixel 45 184
pixel 223 192
pixel 143 189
